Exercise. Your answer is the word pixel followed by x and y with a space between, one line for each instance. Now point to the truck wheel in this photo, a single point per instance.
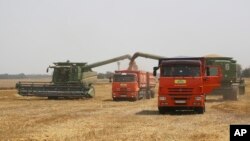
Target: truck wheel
pixel 200 110
pixel 134 98
pixel 148 94
pixel 152 94
pixel 161 110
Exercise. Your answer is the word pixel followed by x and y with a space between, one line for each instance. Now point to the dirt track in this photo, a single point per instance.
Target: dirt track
pixel 25 118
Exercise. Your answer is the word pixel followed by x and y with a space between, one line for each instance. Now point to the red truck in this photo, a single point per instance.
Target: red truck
pixel 133 85
pixel 184 83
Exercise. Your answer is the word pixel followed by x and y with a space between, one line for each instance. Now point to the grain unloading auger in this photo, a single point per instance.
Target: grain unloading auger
pixel 69 80
pixel 132 64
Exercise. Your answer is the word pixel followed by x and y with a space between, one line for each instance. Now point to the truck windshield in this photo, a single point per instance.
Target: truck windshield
pixel 180 70
pixel 124 78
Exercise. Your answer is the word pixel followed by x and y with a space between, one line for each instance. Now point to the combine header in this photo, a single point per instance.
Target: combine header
pixel 69 80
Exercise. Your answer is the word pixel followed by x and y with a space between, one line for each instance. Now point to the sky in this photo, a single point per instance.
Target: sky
pixel 36 33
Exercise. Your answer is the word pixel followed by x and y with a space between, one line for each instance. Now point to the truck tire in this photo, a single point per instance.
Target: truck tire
pixel 161 110
pixel 152 92
pixel 136 97
pixel 148 94
pixel 142 94
pixel 200 110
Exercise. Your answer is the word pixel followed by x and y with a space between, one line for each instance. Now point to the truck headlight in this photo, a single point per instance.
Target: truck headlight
pixel 162 98
pixel 198 98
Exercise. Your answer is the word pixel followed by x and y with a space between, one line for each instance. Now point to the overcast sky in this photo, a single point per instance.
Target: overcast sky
pixel 36 33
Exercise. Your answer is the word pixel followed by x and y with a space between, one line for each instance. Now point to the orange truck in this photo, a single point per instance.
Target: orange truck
pixel 184 83
pixel 133 85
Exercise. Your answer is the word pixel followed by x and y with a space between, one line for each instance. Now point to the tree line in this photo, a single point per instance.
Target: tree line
pixel 245 72
pixel 106 75
pixel 23 76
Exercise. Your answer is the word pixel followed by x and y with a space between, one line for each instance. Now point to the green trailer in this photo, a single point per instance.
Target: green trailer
pixel 232 84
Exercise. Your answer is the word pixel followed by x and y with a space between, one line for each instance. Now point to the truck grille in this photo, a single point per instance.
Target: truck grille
pixel 184 90
pixel 123 89
pixel 180 99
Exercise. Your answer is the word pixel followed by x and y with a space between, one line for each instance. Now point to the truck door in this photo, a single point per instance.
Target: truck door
pixel 212 78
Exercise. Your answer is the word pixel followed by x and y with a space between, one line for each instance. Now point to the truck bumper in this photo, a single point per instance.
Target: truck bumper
pixel 181 101
pixel 124 95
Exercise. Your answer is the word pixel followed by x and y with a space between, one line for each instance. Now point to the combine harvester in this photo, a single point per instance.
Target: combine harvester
pixel 232 84
pixel 184 83
pixel 134 84
pixel 69 80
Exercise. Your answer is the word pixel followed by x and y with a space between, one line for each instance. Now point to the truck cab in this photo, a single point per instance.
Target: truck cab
pixel 133 85
pixel 184 83
pixel 125 85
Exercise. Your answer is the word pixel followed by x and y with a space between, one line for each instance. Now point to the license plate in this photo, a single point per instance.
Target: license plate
pixel 123 95
pixel 180 81
pixel 180 101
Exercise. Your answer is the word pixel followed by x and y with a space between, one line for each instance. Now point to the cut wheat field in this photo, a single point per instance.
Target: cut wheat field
pixel 32 118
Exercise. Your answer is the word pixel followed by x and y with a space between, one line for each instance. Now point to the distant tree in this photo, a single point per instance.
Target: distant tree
pixel 106 75
pixel 100 75
pixel 21 75
pixel 109 74
pixel 12 76
pixel 246 72
pixel 4 76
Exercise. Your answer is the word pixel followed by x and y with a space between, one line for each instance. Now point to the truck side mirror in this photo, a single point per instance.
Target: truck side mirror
pixel 155 69
pixel 47 70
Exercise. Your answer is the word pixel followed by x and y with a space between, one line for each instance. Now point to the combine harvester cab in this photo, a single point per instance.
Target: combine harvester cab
pixel 184 83
pixel 232 85
pixel 133 85
pixel 69 80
